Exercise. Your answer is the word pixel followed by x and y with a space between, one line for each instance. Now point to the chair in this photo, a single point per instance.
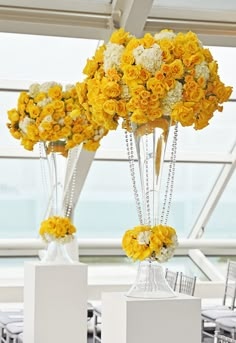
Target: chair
pixel 20 338
pixel 187 284
pixel 227 324
pixel 223 339
pixel 12 331
pixel 215 313
pixel 171 277
pixel 97 324
pixel 7 317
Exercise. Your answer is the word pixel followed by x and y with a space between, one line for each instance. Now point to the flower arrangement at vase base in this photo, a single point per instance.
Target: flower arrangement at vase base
pixel 58 232
pixel 150 282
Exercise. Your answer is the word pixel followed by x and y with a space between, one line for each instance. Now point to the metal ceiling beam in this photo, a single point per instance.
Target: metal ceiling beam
pixel 213 198
pixel 131 15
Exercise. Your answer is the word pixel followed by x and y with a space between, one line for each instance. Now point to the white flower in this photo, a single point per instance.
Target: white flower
pixel 68 87
pixel 112 56
pixel 34 90
pixel 165 35
pixel 47 85
pixel 144 237
pixel 47 119
pixel 202 70
pixel 173 96
pixel 23 124
pixel 166 253
pixel 150 59
pixel 44 102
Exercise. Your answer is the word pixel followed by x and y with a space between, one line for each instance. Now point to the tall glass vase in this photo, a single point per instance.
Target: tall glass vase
pixel 59 174
pixel 150 144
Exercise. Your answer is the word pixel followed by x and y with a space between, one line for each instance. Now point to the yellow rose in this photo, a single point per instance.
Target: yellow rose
pixel 131 72
pixel 120 37
pixel 23 98
pixel 110 106
pixel 121 108
pixel 81 88
pixel 127 57
pixel 58 105
pixel 148 40
pixel 90 67
pixel 34 111
pixel 144 75
pixel 39 97
pixel 111 89
pixel 184 113
pixel 113 75
pixel 13 115
pixel 77 138
pixel 55 92
pixel 91 146
pixel 177 69
pixel 99 54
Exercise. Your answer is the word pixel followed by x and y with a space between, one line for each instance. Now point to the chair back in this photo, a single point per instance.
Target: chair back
pixel 223 339
pixel 187 284
pixel 171 277
pixel 230 285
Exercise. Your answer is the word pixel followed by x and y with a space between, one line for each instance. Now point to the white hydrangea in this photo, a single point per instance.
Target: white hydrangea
pixel 202 70
pixel 172 97
pixel 44 87
pixel 44 102
pixel 34 90
pixel 165 35
pixel 48 119
pixel 112 56
pixel 144 237
pixel 167 253
pixel 150 59
pixel 23 124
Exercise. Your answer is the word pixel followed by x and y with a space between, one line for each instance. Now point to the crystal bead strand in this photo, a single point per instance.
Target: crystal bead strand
pixel 130 153
pixel 70 193
pixel 147 190
pixel 170 180
pixel 43 160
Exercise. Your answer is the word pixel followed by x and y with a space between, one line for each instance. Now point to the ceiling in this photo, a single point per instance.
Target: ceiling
pixel 214 21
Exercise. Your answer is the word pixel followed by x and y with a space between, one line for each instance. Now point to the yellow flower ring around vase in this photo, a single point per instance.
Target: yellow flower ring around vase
pixel 57 228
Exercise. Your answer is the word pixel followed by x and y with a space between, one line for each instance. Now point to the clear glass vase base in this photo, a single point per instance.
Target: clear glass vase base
pixel 150 282
pixel 57 254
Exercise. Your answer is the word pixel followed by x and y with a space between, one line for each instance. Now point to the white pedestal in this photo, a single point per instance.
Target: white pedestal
pixel 55 303
pixel 132 320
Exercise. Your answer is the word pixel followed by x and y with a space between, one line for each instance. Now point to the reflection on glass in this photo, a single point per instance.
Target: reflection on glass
pixel 221 262
pixel 22 199
pixel 222 222
pixel 178 263
pixel 44 58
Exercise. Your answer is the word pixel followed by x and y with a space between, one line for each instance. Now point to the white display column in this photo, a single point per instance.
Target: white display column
pixel 133 320
pixel 55 303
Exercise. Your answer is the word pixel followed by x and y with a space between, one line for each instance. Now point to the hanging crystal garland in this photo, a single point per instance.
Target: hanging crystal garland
pixel 168 193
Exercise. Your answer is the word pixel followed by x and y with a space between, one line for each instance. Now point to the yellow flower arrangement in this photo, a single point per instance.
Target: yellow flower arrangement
pixel 146 83
pixel 156 243
pixel 48 113
pixel 57 228
pixel 143 80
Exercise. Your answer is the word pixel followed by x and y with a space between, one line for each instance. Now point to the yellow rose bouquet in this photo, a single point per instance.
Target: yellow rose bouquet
pixel 57 229
pixel 156 243
pixel 47 113
pixel 145 79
